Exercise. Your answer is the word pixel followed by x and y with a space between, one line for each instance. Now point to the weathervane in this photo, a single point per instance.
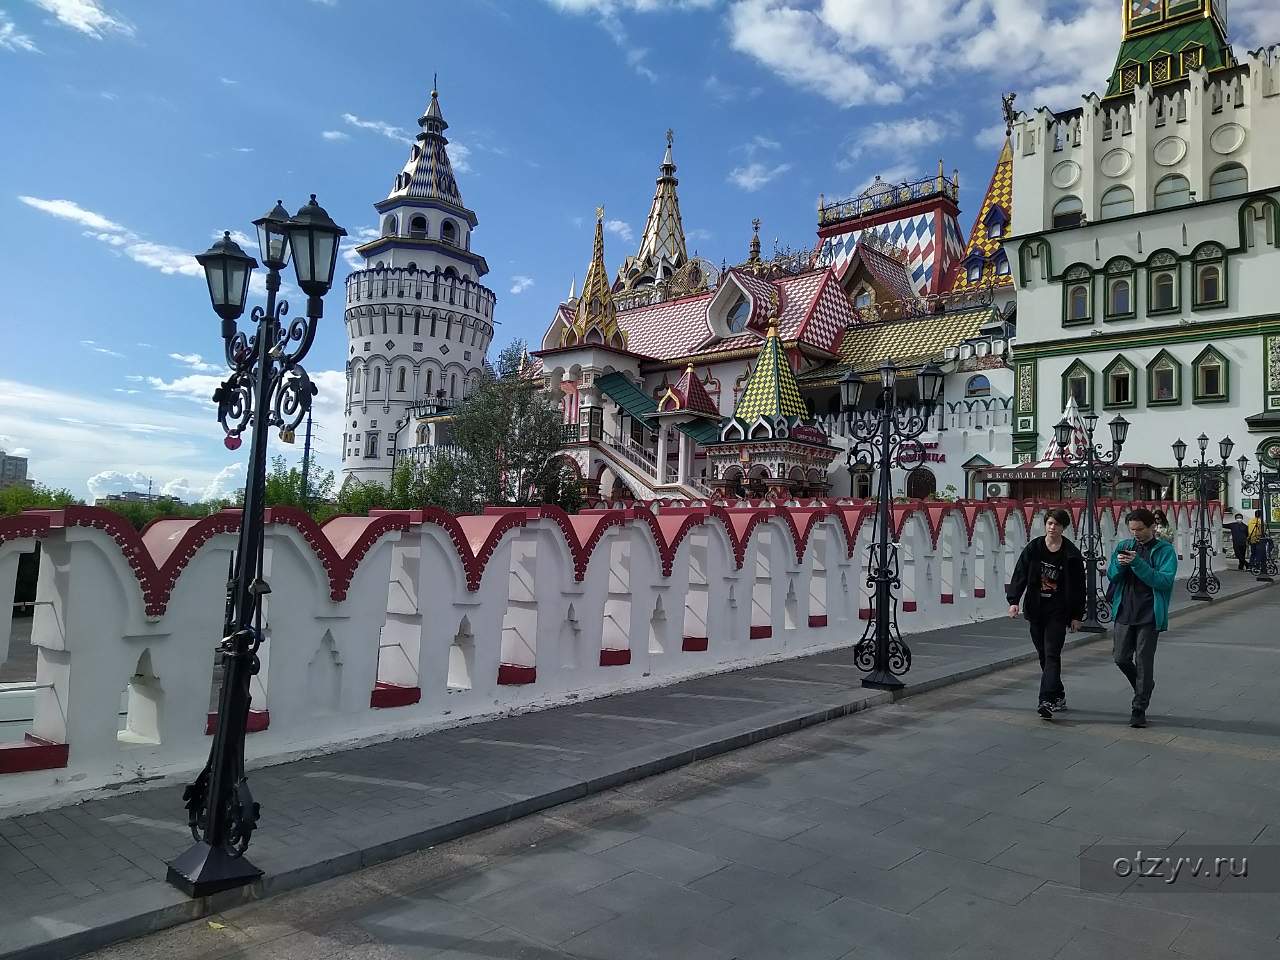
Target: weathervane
pixel 1009 115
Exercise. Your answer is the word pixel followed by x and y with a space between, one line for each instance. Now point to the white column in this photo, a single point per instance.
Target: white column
pixel 662 452
pixel 685 457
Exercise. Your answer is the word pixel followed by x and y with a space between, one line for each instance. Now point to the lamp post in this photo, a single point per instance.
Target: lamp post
pixel 1092 467
pixel 1265 483
pixel 878 438
pixel 267 388
pixel 1204 583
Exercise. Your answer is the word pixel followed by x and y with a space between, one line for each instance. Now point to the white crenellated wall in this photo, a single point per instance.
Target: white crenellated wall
pixel 407 621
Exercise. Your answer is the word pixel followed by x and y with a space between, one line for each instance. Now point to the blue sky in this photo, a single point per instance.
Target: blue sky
pixel 138 129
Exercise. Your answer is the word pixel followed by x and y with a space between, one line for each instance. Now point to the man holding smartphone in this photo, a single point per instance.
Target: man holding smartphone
pixel 1142 571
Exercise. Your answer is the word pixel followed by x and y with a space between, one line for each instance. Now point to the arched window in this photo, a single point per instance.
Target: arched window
pixel 1210 280
pixel 1118 380
pixel 449 232
pixel 862 485
pixel 921 483
pixel 426 390
pixel 1209 376
pixel 400 380
pixel 736 320
pixel 864 298
pixel 1164 290
pixel 453 385
pixel 1078 307
pixel 1077 383
pixel 1120 289
pixel 1079 302
pixel 1173 191
pixel 1068 212
pixel 1117 202
pixel 377 380
pixel 1229 180
pixel 422 434
pixel 1002 264
pixel 388 229
pixel 973 271
pixel 357 386
pixel 1164 380
pixel 978 386
pixel 418 228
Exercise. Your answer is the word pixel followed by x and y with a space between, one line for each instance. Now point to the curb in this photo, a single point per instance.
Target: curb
pixel 125 925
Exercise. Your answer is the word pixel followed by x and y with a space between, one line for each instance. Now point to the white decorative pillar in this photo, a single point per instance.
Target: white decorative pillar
pixel 662 453
pixel 685 457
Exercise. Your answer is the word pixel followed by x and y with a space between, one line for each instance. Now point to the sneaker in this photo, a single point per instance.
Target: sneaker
pixel 1045 710
pixel 1138 718
pixel 1060 704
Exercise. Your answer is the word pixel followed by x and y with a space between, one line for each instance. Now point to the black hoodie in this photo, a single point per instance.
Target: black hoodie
pixel 1026 579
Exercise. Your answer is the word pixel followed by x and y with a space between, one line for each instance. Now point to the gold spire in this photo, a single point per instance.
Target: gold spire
pixel 662 245
pixel 755 241
pixel 595 309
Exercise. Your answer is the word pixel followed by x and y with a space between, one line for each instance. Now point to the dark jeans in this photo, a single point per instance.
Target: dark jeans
pixel 1134 649
pixel 1048 636
pixel 1258 556
pixel 1242 551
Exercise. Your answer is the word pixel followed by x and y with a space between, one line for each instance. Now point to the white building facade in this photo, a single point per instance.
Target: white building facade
pixel 418 318
pixel 1146 247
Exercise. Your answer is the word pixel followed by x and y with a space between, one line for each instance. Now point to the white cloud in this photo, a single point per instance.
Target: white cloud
pixel 96 348
pixel 621 228
pixel 228 81
pixel 195 362
pixel 243 149
pixel 12 39
pixel 800 47
pixel 335 135
pixel 608 13
pixel 195 387
pixel 753 176
pixel 520 283
pixel 70 210
pixel 87 17
pixel 157 256
pixel 698 233
pixel 724 92
pixel 459 157
pixel 992 136
pixel 380 127
pixel 141 344
pixel 898 173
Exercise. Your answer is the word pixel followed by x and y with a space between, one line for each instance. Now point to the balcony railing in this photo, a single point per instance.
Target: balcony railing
pixel 885 195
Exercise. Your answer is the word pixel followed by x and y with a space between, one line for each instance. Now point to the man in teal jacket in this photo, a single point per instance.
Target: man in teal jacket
pixel 1142 571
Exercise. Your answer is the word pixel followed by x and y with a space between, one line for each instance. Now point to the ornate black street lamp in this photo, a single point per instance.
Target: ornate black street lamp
pixel 1092 467
pixel 267 388
pixel 1265 483
pixel 883 437
pixel 1209 477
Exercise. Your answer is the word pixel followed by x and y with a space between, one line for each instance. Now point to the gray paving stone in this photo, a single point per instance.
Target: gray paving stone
pixel 671 861
pixel 853 842
pixel 538 911
pixel 929 867
pixel 788 897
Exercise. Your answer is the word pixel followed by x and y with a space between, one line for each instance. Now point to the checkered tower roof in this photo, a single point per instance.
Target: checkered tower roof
pixel 999 196
pixel 915 234
pixel 772 390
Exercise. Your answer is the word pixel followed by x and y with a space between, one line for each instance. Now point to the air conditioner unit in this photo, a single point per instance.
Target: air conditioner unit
pixel 997 490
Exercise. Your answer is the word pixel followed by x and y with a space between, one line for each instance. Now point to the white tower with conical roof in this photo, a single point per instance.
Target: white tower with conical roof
pixel 418 319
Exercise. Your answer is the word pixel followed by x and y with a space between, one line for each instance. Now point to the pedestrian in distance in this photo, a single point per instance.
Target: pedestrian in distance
pixel 1239 531
pixel 1164 529
pixel 1142 571
pixel 1257 544
pixel 1050 573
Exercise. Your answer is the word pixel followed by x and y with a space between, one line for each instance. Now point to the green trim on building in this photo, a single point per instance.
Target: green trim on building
pixel 1211 352
pixel 1119 363
pixel 1071 373
pixel 1109 340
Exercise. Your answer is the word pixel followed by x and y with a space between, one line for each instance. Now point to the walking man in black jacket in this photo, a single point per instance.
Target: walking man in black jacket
pixel 1050 571
pixel 1239 538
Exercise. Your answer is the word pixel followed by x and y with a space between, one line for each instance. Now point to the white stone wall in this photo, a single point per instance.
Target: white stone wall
pixel 406 622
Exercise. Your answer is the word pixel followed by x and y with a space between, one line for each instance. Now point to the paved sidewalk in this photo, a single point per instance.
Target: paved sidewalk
pixel 79 877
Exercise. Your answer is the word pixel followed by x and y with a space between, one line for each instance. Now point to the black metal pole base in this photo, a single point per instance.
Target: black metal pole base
pixel 1201 596
pixel 1265 579
pixel 882 680
pixel 203 870
pixel 1091 626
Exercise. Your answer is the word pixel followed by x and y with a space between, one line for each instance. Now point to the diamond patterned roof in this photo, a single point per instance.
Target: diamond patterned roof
pixel 886 270
pixel 909 342
pixel 999 195
pixel 428 175
pixel 689 395
pixel 772 390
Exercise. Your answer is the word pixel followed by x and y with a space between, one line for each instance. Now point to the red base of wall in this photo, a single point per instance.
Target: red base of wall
pixel 694 644
pixel 761 633
pixel 33 753
pixel 864 613
pixel 980 592
pixel 259 720
pixel 393 695
pixel 615 658
pixel 908 606
pixel 514 675
pixel 948 598
pixel 818 620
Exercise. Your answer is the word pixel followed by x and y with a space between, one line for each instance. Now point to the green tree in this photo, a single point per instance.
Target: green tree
pixel 507 436
pixel 37 497
pixel 285 488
